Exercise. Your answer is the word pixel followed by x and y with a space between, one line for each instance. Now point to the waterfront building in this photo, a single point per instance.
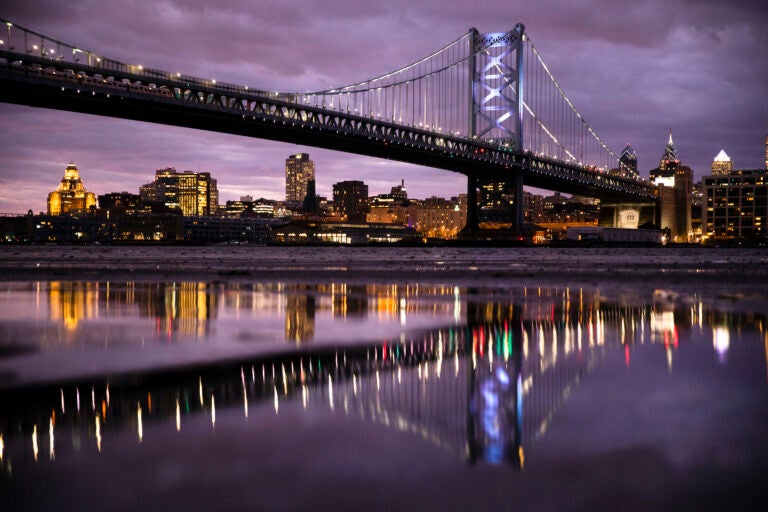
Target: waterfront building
pixel 735 205
pixel 766 151
pixel 194 193
pixel 70 197
pixel 389 208
pixel 350 200
pixel 299 170
pixel 247 207
pixel 119 201
pixel 436 217
pixel 722 164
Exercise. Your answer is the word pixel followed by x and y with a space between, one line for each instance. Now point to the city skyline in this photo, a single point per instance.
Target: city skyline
pixel 690 74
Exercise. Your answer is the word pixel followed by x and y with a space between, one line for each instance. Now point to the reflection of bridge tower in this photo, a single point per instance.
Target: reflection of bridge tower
pixel 496 115
pixel 495 405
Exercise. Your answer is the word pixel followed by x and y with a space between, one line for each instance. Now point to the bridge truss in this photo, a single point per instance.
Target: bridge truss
pixel 484 105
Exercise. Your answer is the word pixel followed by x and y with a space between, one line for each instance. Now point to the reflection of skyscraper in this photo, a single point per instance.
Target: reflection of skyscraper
pixel 73 302
pixel 71 196
pixel 299 169
pixel 300 317
pixel 183 307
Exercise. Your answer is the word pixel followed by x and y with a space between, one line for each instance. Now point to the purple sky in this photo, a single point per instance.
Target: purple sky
pixel 633 69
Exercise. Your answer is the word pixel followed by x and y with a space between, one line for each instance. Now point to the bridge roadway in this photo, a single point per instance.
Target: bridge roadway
pixel 135 93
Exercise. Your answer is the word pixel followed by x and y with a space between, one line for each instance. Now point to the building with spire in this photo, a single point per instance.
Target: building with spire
pixel 675 182
pixel 664 174
pixel 722 164
pixel 71 196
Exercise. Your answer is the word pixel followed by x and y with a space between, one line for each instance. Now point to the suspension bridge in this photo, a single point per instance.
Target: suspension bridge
pixel 484 105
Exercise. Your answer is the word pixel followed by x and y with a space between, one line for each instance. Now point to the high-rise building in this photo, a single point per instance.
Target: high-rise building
pixel 766 151
pixel 664 174
pixel 71 196
pixel 299 169
pixel 676 189
pixel 350 199
pixel 628 160
pixel 194 193
pixel 735 206
pixel 722 163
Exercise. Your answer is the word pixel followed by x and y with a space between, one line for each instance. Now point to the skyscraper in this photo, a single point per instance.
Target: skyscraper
pixel 628 159
pixel 766 151
pixel 299 169
pixel 665 172
pixel 722 163
pixel 71 196
pixel 194 193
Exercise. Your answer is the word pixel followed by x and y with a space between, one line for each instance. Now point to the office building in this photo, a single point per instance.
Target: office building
pixel 193 193
pixel 71 197
pixel 350 200
pixel 628 162
pixel 299 170
pixel 735 205
pixel 722 164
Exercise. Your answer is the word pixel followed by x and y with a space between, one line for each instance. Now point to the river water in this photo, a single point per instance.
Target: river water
pixel 382 379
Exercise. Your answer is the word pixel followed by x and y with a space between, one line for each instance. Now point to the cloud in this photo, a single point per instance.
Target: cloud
pixel 632 68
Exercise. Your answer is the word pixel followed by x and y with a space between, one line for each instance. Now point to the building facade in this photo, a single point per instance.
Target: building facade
pixel 350 199
pixel 193 193
pixel 70 197
pixel 735 206
pixel 299 170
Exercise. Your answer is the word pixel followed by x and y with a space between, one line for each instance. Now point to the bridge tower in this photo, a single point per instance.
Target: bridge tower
pixel 496 112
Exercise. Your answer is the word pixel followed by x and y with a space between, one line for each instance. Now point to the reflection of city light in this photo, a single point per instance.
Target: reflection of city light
pixel 178 416
pixel 34 442
pixel 276 399
pixel 330 391
pixel 213 411
pixel 50 439
pixel 200 389
pixel 62 401
pixel 98 433
pixel 140 426
pixel 2 447
pixel 721 341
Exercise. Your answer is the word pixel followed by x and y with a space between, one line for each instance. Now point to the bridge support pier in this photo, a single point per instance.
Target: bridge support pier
pixel 472 224
pixel 517 206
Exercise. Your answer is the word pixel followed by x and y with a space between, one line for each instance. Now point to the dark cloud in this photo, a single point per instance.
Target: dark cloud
pixel 632 68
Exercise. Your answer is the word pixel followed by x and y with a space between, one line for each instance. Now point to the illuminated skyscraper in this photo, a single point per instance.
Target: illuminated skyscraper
pixel 194 193
pixel 71 196
pixel 665 172
pixel 628 159
pixel 766 151
pixel 722 163
pixel 299 169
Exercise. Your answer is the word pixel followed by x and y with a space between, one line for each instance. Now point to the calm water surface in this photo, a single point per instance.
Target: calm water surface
pixel 380 396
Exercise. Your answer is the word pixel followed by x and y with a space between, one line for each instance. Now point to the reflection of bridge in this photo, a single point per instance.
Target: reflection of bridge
pixel 485 390
pixel 462 109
